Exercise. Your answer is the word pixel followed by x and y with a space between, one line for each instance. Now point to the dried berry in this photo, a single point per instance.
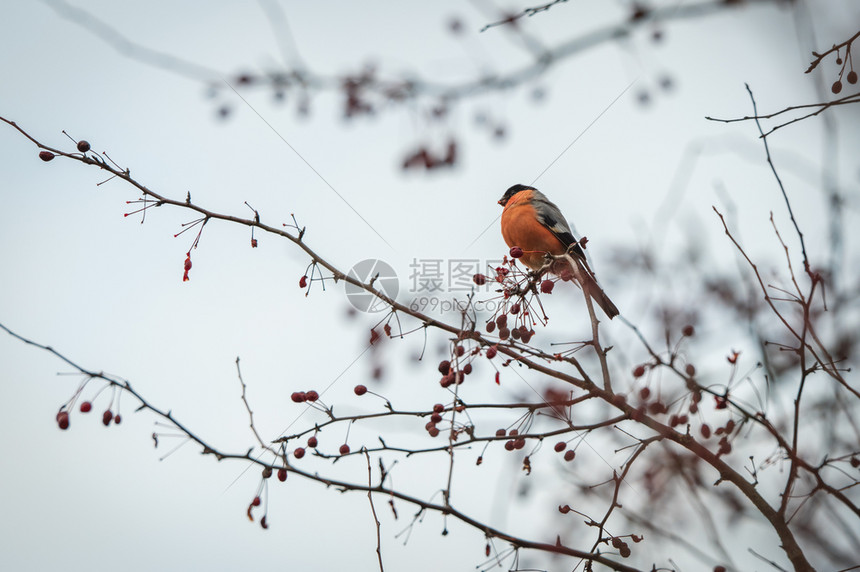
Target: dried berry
pixel 360 390
pixel 313 442
pixel 851 77
pixel 63 420
pixel 298 396
pixel 282 474
pixel 303 281
pixel 546 286
pixel 83 146
pixel 516 251
pixel 312 395
pixel 46 156
pixel 835 88
pixel 479 279
pixel 560 446
pixel 639 371
pixel 299 452
pixel 107 417
pixel 86 407
pixel 491 352
pixel 344 449
pixel 688 331
pixel 444 367
pixel 569 455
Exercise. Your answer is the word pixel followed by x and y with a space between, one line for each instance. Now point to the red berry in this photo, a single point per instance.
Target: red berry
pixel 706 430
pixel 519 443
pixel 63 420
pixel 501 432
pixel 46 156
pixel 459 350
pixel 263 522
pixel 312 395
pixel 515 309
pixel 282 474
pixel 435 418
pixel 852 77
pixel 690 369
pixel 560 446
pixel 360 390
pixel 187 265
pixel 835 88
pixel 303 281
pixel 490 327
pixel 516 252
pixel 491 352
pixel 312 441
pixel 509 445
pixel 298 396
pixel 433 431
pixel 107 417
pixel 546 286
pixel 644 393
pixel 299 452
pixel 344 449
pixel 688 331
pixel 564 509
pixel 117 419
pixel 444 367
pixel 569 455
pixel 639 371
pixel 479 279
pixel 86 407
pixel 502 321
pixel 467 369
pixel 438 408
pixel 83 146
pixel 256 501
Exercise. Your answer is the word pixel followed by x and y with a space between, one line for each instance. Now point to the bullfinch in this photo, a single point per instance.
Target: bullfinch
pixel 532 222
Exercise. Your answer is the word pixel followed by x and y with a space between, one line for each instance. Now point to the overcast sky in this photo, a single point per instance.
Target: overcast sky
pixel 107 291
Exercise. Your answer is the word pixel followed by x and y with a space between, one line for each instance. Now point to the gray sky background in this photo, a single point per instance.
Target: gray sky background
pixel 107 292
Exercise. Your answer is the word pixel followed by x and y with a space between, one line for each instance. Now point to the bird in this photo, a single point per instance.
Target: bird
pixel 535 224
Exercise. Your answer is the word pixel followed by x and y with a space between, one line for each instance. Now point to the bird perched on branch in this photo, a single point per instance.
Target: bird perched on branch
pixel 532 222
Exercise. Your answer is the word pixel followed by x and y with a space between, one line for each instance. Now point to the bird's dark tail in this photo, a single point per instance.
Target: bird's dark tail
pixel 593 289
pixel 598 295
